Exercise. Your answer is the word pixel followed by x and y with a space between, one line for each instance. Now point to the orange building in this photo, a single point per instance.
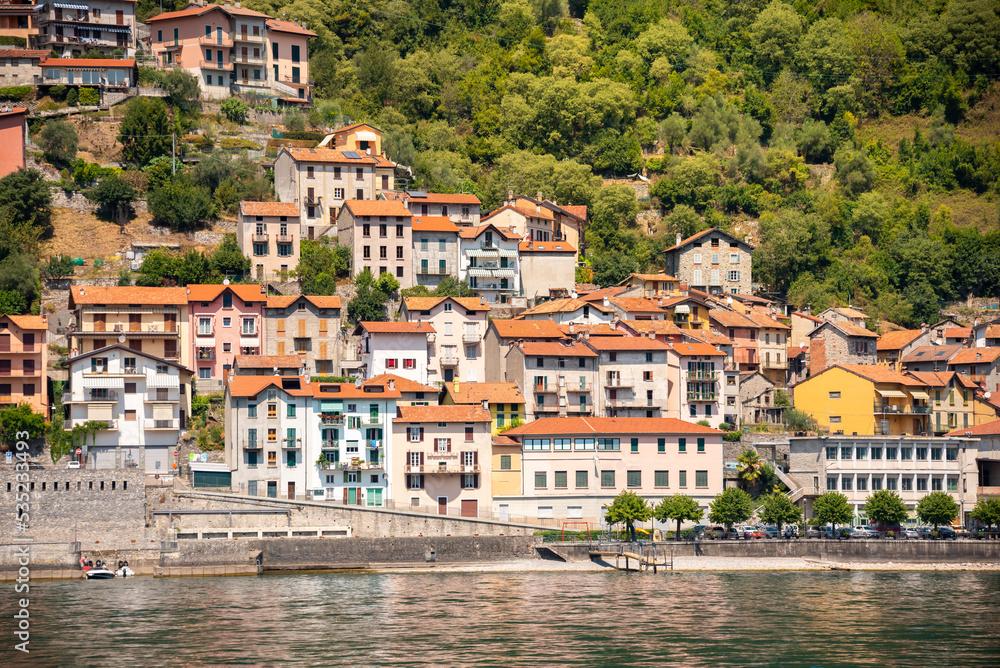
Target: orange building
pixel 23 359
pixel 12 128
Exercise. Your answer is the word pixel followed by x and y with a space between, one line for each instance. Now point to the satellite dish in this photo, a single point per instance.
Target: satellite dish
pixel 357 383
pixel 987 395
pixel 225 281
pixel 802 345
pixel 121 339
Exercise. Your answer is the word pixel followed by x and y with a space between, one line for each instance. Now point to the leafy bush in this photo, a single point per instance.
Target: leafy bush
pixel 72 97
pixel 798 421
pixel 11 40
pixel 58 93
pixel 89 97
pixel 236 110
pixel 18 93
pixel 181 206
pixel 732 436
pixel 303 135
pixel 58 266
pixel 59 141
pixel 232 143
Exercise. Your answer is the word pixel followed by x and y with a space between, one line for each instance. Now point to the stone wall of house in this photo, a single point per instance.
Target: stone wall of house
pixel 687 266
pixel 837 349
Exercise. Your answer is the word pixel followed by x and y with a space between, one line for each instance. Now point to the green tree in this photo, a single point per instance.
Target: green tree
pixel 731 507
pixel 20 418
pixel 58 141
pixel 986 511
pixel 183 90
pixel 19 274
pixel 628 508
pixel 115 195
pixel 683 220
pixel 58 266
pixel 796 420
pixel 12 303
pixel 749 466
pixel 89 97
pixel 294 120
pixel 824 53
pixel 369 301
pixel 832 508
pixel 885 506
pixel 779 509
pixel 26 197
pixel 235 110
pixel 693 182
pixel 613 268
pixel 937 508
pixel 568 181
pixel 452 287
pixel 144 132
pixel 775 34
pixel 680 508
pixel 182 206
pixel 320 264
pixel 158 268
pixel 228 259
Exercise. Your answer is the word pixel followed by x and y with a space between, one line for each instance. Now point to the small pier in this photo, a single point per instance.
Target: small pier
pixel 635 556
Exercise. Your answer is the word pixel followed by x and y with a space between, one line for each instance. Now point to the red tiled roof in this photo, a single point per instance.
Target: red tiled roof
pixel 807 317
pixel 637 304
pixel 198 11
pixel 251 386
pixel 975 356
pixel 653 277
pixel 332 156
pixel 93 294
pixel 397 327
pixel 932 353
pixel 527 329
pixel 288 26
pixel 456 413
pixel 613 343
pixel 988 429
pixel 957 332
pixel 75 63
pixel 765 321
pixel 602 329
pixel 269 209
pixel 24 53
pixel 643 327
pixel 474 232
pixel 434 224
pixel 545 247
pixel 932 378
pixel 268 361
pixel 319 301
pixel 700 349
pixel 566 305
pixel 504 441
pixel 377 207
pixel 578 210
pixel 446 198
pixel 352 391
pixel 877 373
pixel 427 303
pixel 402 384
pixel 27 321
pixel 247 292
pixel 693 237
pixel 599 425
pixel 556 349
pixel 599 295
pixel 494 393
pixel 899 339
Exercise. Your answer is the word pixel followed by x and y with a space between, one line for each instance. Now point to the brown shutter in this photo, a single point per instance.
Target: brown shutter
pixel 281 326
pixel 345 495
pixel 421 434
pixel 421 480
pixel 408 457
pixel 449 445
pixel 475 458
pixel 421 463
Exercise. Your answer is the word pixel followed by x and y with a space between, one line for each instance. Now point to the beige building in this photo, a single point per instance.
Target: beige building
pixel 559 378
pixel 460 208
pixel 455 349
pixel 652 286
pixel 19 67
pixel 569 223
pixel 151 320
pixel 24 354
pixel 18 18
pixel 307 326
pixel 501 334
pixel 72 29
pixel 440 458
pixel 435 250
pixel 380 236
pixel 772 344
pixel 270 235
pixel 712 261
pixel 632 376
pixel 548 268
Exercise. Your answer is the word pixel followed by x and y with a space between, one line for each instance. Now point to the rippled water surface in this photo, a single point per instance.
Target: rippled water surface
pixel 511 619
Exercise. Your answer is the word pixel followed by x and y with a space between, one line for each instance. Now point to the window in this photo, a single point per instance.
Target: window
pixel 390 363
pixel 607 478
pixel 649 357
pixel 921 454
pixel 603 443
pixel 540 480
pixel 831 484
pixel 835 395
pixel 414 482
pixel 536 444
pixel 272 411
pixel 701 478
pixel 634 445
pixel 951 454
pixel 272 458
pixel 248 327
pixel 582 481
pixel 701 445
pixel 562 444
pixel 935 454
pixel 862 484
pixel 272 435
pixel 831 453
pixel 559 480
pixel 907 484
pixel 647 376
pixel 205 372
pixel 410 363
pixel 204 326
pixel 922 484
pixel 682 478
pixel 682 445
pixel 935 484
pixel 845 484
pixel 890 452
pixel 252 410
pixel 847 453
pixel 291 410
pixel 661 478
pixel 876 484
pixel 505 463
pixel 661 445
pixel 876 452
pixel 861 452
pixel 227 322
pixel 585 444
pixel 734 276
pixel 952 484
pixel 634 478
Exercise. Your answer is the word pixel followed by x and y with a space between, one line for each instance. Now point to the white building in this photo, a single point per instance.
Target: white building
pixel 697 382
pixel 140 401
pixel 569 310
pixel 632 378
pixel 488 262
pixel 456 350
pixel 399 348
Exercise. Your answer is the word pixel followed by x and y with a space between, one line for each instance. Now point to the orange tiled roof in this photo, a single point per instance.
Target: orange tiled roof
pixel 957 332
pixel 654 277
pixel 269 209
pixel 848 328
pixel 899 339
pixel 354 126
pixel 446 198
pixel 732 319
pixel 807 316
pixel 578 210
pixel 707 336
pixel 427 303
pixel 402 384
pixel 566 305
pixel 556 349
pixel 693 237
pixel 319 301
pixel 377 207
pixel 79 63
pixel 602 329
pixel 288 26
pixel 765 321
pixel 530 246
pixel 527 329
pixel 645 327
pixel 268 361
pixel 614 343
pixel 637 304
pixel 248 292
pixel 603 425
pixel 599 295
pixel 975 356
pixel 502 440
pixel 434 224
pixel 494 393
pixel 28 321
pixel 93 294
pixel 701 349
pixel 24 53
pixel 397 327
pixel 251 386
pixel 352 391
pixel 932 353
pixel 329 155
pixel 456 413
pixel 848 312
pixel 198 11
pixel 988 429
pixel 993 331
pixel 878 374
pixel 932 378
pixel 474 232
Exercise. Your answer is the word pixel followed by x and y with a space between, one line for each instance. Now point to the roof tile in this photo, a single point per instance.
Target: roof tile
pixel 598 425
pixel 456 413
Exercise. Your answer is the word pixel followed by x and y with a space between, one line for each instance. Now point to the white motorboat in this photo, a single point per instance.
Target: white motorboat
pixel 100 573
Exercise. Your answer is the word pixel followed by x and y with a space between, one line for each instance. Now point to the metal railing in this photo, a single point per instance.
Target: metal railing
pixel 247 37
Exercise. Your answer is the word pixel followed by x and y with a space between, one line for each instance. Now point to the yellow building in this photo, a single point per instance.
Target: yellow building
pixel 954 402
pixel 505 401
pixel 505 472
pixel 654 286
pixel 866 400
pixel 687 312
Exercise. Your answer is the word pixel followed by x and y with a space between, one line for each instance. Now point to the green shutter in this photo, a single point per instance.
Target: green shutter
pixel 682 445
pixel 661 445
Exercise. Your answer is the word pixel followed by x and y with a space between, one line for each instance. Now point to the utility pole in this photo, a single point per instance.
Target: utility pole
pixel 173 153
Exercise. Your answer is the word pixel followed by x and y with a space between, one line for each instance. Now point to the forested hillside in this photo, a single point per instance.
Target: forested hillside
pixel 732 108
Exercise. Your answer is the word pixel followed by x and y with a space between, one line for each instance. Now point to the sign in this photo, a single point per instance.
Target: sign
pixel 79 451
pixel 191 456
pixel 204 456
pixel 10 457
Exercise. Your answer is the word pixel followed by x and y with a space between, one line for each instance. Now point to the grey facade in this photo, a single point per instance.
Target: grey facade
pixel 308 327
pixel 712 261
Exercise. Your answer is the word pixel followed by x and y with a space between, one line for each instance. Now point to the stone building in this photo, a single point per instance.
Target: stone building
pixel 501 334
pixel 307 326
pixel 931 358
pixel 380 236
pixel 559 377
pixel 757 400
pixel 841 342
pixel 712 261
pixel 19 67
pixel 435 251
pixel 892 347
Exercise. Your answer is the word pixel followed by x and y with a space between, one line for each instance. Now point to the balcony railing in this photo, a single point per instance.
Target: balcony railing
pixel 206 354
pixel 579 387
pixel 252 445
pixel 545 388
pixel 703 375
pixel 285 238
pixel 215 40
pixel 161 424
pixel 891 409
pixel 617 381
pixel 358 465
pixel 260 238
pixel 470 337
pixel 86 19
pixel 579 408
pixel 702 396
pixel 291 442
pixel 774 364
pixel 445 469
pixel 449 360
pixel 433 271
pixel 214 65
pixel 21 349
pixel 247 37
pixel 240 59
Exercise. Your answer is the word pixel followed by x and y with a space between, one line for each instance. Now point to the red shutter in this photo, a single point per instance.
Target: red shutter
pixel 421 434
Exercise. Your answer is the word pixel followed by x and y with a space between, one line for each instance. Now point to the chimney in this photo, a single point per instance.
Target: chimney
pixel 455 386
pixel 486 405
pixel 237 5
pixel 924 327
pixel 392 384
pixel 678 238
pixel 572 328
pixel 420 325
pixel 659 302
pixel 510 197
pixel 538 202
pixel 979 357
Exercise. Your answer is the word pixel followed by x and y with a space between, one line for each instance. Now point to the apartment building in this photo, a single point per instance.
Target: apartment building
pixel 307 326
pixel 743 332
pixel 19 67
pixel 441 458
pixel 72 29
pixel 435 250
pixel 142 401
pixel 268 440
pixel 24 362
pixel 632 376
pixel 568 223
pixel 857 466
pixel 548 268
pixel 150 320
pixel 772 344
pixel 489 262
pixel 231 49
pixel 226 321
pixel 504 400
pixel 571 310
pixel 687 312
pixel 318 181
pixel 757 400
pixel 653 457
pixel 841 342
pixel 455 348
pixel 892 347
pixel 351 451
pixel 695 373
pixel 529 220
pixel 955 401
pixel 18 18
pixel 395 347
pixel 559 377
pixel 979 365
pixel 270 234
pixel 712 261
pixel 461 209
pixel 380 236
pixel 502 333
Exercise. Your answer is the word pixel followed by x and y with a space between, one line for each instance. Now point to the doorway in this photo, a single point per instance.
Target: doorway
pixel 470 508
pixel 272 489
pixel 291 491
pixel 442 505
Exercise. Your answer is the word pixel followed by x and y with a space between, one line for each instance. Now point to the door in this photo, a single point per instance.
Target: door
pixel 272 489
pixel 100 324
pixel 157 459
pixel 291 491
pixel 120 17
pixel 470 508
pixel 252 488
pixel 218 40
pixel 449 375
pixel 504 512
pixel 442 505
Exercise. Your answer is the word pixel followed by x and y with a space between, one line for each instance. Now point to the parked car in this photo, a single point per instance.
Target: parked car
pixel 751 533
pixel 908 533
pixel 942 533
pixel 720 533
pixel 819 532
pixel 73 465
pixel 962 532
pixel 790 531
pixel 770 531
pixel 865 532
pixel 885 527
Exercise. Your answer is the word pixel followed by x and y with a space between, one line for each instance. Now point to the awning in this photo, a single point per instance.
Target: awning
pixel 249 342
pixel 479 273
pixel 891 394
pixel 920 395
pixel 100 412
pixel 505 252
pixel 114 28
pixel 71 5
pixel 162 380
pixel 503 273
pixel 163 412
pixel 367 136
pixel 204 343
pixel 493 252
pixel 106 382
pixel 331 406
pixel 682 308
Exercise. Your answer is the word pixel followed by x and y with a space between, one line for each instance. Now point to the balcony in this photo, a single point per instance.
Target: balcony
pixel 285 238
pixel 617 381
pixel 433 271
pixel 20 373
pixel 470 337
pixel 988 491
pixel 449 360
pixel 702 396
pixel 44 38
pixel 151 397
pixel 259 238
pixel 373 420
pixel 214 65
pixel 13 350
pixel 215 40
pixel 161 425
pixel 331 420
pixel 206 354
pixel 443 468
pixel 291 443
pixel 703 375
pixel 358 464
pixel 577 388
pixel 579 408
pixel 251 445
pixel 247 37
pixel 909 409
pixel 249 60
pixel 774 364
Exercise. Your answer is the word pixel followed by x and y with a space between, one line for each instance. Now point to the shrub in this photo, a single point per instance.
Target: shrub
pixel 235 110
pixel 89 97
pixel 58 93
pixel 18 93
pixel 72 97
pixel 798 421
pixel 180 205
pixel 11 40
pixel 732 436
pixel 303 136
pixel 234 143
pixel 58 140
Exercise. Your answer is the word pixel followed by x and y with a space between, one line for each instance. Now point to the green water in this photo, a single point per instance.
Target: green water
pixel 513 619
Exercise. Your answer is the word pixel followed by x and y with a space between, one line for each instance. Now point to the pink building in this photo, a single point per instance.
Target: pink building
pixel 572 467
pixel 226 321
pixel 12 129
pixel 24 361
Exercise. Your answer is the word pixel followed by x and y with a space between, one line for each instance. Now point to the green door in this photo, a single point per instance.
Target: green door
pixel 352 495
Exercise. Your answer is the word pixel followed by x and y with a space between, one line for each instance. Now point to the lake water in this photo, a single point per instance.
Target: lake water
pixel 819 618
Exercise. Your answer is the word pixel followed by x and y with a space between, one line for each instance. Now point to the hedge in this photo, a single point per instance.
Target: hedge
pixel 305 136
pixel 89 97
pixel 11 40
pixel 15 93
pixel 237 143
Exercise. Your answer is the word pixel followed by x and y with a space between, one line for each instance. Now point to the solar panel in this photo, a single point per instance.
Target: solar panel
pixel 353 155
pixel 416 193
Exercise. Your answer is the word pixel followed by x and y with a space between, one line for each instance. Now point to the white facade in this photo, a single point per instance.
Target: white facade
pixel 489 263
pixel 403 353
pixel 456 349
pixel 142 399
